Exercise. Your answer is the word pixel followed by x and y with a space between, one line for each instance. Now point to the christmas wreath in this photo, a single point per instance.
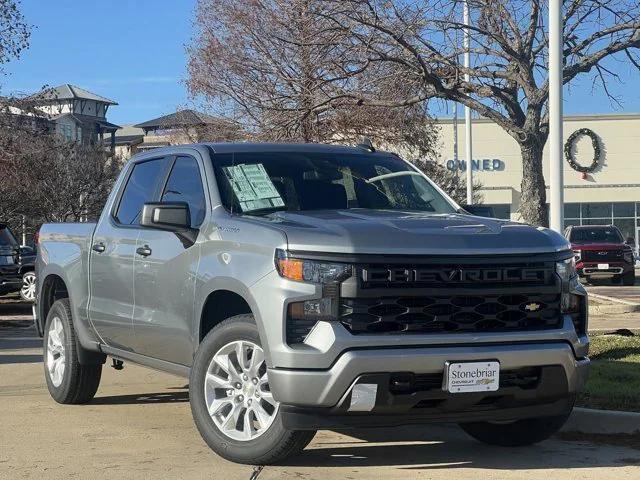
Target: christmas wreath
pixel 568 150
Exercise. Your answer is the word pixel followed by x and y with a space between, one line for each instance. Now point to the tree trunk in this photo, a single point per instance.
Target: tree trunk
pixel 533 202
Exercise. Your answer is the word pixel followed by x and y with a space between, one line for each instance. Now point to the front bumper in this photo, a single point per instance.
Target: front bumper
pixel 323 399
pixel 614 268
pixel 10 283
pixel 325 388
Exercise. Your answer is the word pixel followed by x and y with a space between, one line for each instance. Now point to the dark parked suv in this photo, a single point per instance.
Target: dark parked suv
pixel 16 266
pixel 601 252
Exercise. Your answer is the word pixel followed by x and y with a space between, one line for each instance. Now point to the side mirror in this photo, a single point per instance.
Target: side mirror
pixel 630 241
pixel 170 216
pixel 479 210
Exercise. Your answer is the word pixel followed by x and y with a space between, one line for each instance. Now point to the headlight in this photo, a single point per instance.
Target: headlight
pixel 577 255
pixel 311 270
pixel 566 269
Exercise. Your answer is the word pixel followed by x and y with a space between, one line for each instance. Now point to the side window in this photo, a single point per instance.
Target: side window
pixel 140 189
pixel 185 185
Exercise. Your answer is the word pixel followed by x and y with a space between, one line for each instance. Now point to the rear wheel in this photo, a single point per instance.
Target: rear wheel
pixel 515 434
pixel 68 381
pixel 231 402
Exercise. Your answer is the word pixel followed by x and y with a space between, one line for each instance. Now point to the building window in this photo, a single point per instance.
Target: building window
pixel 66 131
pixel 595 210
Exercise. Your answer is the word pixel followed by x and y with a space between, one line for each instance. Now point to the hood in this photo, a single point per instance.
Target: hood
pixel 409 233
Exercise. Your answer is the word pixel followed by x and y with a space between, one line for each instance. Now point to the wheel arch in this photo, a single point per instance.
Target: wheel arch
pixel 222 299
pixel 53 287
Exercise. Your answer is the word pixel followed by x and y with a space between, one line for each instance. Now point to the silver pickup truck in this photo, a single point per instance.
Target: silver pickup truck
pixel 303 287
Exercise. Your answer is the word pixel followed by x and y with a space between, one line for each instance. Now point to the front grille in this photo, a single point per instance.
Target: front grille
pixel 467 275
pixel 451 314
pixel 602 255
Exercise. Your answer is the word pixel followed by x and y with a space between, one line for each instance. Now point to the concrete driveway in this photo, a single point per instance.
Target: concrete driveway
pixel 139 426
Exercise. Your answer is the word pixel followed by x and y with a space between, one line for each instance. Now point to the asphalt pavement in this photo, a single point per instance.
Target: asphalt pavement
pixel 139 426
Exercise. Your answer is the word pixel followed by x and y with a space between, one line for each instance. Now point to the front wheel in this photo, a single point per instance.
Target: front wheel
pixel 28 290
pixel 515 434
pixel 231 402
pixel 629 279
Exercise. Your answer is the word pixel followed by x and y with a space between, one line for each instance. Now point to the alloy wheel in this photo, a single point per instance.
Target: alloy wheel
pixel 237 392
pixel 56 352
pixel 28 290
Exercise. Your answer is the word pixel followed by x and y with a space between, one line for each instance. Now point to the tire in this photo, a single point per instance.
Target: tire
pixel 28 290
pixel 629 279
pixel 270 445
pixel 73 383
pixel 516 434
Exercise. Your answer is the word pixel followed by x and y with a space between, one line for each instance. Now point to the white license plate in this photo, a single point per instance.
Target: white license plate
pixel 461 377
pixel 603 266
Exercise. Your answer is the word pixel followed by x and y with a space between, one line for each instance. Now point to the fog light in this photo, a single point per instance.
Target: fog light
pixel 316 309
pixel 569 303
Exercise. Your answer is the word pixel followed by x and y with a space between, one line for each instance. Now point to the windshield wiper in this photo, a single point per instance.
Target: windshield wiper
pixel 393 175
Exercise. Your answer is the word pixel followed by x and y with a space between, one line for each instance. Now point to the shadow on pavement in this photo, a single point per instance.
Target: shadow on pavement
pixel 19 358
pixel 161 397
pixel 447 447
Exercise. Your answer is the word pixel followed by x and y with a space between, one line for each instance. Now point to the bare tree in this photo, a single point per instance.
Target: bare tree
pixel 14 32
pixel 278 68
pixel 46 178
pixel 508 79
pixel 283 71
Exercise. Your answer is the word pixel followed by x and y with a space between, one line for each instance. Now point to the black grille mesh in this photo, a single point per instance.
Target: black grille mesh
pixel 433 314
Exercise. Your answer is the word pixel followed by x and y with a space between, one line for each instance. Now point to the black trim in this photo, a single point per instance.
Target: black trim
pixel 493 259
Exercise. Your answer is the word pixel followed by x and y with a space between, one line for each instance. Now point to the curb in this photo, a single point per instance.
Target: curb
pixel 588 420
pixel 619 305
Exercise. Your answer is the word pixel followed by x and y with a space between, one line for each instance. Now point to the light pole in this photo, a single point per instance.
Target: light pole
pixel 467 110
pixel 455 135
pixel 556 180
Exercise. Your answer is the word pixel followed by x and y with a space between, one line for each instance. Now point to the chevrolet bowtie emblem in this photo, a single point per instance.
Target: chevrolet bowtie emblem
pixel 532 307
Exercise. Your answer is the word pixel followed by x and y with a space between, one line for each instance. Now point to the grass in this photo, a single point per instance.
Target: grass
pixel 614 378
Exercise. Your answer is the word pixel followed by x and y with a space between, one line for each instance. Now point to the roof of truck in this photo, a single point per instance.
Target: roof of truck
pixel 248 147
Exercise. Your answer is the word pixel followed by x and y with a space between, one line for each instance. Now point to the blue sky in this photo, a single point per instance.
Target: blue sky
pixel 133 51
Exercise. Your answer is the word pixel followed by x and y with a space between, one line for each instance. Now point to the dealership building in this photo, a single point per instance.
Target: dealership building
pixel 609 193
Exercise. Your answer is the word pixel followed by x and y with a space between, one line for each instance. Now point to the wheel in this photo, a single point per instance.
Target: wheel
pixel 515 434
pixel 231 402
pixel 28 290
pixel 68 381
pixel 629 279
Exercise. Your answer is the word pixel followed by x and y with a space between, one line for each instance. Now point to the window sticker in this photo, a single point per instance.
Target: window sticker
pixel 253 187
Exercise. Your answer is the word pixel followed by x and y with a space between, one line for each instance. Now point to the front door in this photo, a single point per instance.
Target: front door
pixel 165 274
pixel 112 256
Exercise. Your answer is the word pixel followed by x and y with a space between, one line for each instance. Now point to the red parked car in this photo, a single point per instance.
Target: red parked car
pixel 601 252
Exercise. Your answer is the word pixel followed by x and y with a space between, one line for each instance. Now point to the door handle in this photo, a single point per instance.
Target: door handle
pixel 144 251
pixel 98 247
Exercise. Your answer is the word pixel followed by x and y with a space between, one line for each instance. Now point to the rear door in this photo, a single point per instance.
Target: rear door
pixel 165 274
pixel 112 256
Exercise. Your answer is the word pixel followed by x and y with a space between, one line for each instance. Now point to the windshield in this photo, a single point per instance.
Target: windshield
pixel 595 235
pixel 266 182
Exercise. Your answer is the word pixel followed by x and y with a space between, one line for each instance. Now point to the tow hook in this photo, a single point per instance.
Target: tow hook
pixel 117 364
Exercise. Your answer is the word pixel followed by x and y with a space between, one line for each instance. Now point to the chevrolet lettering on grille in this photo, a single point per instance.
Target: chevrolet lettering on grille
pixel 453 275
